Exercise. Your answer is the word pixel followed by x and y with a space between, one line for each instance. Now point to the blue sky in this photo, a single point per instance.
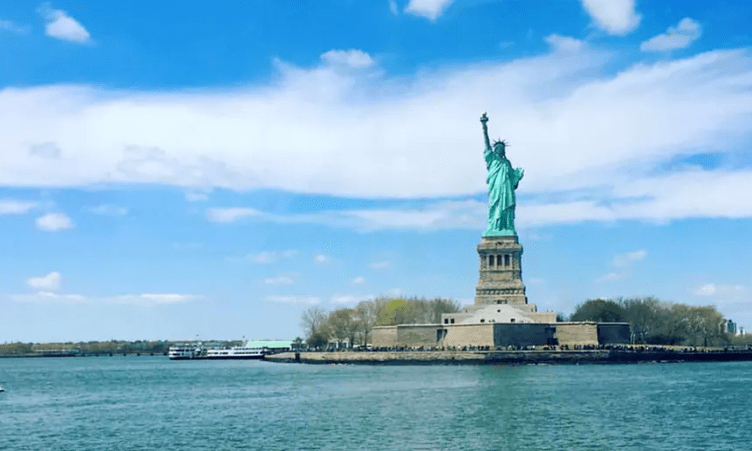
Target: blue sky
pixel 216 168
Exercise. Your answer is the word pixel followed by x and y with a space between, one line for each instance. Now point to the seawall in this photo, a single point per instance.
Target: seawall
pixel 597 356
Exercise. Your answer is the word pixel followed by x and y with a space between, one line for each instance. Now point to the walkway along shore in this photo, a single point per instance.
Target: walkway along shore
pixel 567 357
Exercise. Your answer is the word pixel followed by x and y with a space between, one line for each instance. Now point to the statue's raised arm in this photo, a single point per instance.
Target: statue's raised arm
pixel 483 120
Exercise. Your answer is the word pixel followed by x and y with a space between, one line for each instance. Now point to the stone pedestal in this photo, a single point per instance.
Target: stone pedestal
pixel 500 279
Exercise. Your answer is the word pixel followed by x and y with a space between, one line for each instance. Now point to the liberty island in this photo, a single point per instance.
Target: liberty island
pixel 501 316
pixel 501 326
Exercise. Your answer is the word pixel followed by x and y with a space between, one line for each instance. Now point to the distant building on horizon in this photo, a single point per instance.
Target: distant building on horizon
pixel 729 327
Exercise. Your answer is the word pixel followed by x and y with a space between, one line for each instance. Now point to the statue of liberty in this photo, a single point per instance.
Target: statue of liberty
pixel 502 180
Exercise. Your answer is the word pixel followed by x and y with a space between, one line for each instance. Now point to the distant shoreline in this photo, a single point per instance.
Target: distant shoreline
pixel 511 357
pixel 70 354
pixel 566 357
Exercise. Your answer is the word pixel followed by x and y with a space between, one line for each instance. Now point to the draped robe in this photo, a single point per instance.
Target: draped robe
pixel 502 180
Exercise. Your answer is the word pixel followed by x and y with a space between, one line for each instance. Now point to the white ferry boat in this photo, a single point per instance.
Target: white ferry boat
pixel 236 352
pixel 251 350
pixel 185 352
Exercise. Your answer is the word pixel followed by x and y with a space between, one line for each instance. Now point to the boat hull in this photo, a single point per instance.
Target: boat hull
pixel 233 357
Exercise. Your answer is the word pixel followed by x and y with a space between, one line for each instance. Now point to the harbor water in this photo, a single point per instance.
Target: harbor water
pixel 145 403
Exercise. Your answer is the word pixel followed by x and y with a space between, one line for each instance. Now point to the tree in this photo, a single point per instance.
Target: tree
pixel 318 339
pixel 414 310
pixel 599 310
pixel 676 326
pixel 343 325
pixel 658 322
pixel 366 314
pixel 439 306
pixel 395 312
pixel 312 319
pixel 297 344
pixel 706 328
pixel 645 317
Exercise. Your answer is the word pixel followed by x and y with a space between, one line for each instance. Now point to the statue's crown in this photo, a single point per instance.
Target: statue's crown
pixel 500 141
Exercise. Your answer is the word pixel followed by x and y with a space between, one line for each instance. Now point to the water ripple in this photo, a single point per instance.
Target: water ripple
pixel 148 403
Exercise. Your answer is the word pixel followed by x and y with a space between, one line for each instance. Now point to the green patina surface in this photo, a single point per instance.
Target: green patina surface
pixel 502 180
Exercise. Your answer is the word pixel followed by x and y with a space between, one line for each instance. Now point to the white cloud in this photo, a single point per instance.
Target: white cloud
pixel 43 297
pixel 53 222
pixel 395 292
pixel 345 299
pixel 592 138
pixel 430 9
pixel 687 193
pixel 611 276
pixel 309 300
pixel 535 281
pixel 616 17
pixel 678 37
pixel 50 282
pixel 15 207
pixel 321 259
pixel 379 265
pixel 227 215
pixel 109 210
pixel 10 26
pixel 62 26
pixel 267 256
pixel 623 263
pixel 393 7
pixel 48 150
pixel 706 290
pixel 356 59
pixel 196 196
pixel 564 43
pixel 279 280
pixel 628 259
pixel 350 299
pixel 358 280
pixel 439 215
pixel 720 290
pixel 152 299
pixel 132 299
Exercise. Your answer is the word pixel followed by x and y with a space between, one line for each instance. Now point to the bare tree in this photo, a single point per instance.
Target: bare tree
pixel 439 306
pixel 366 314
pixel 313 319
pixel 644 316
pixel 659 322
